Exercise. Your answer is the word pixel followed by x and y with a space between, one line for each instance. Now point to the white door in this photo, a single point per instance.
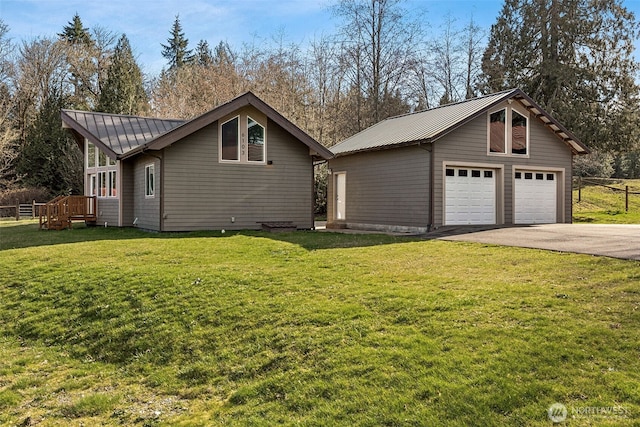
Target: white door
pixel 470 196
pixel 341 193
pixel 535 197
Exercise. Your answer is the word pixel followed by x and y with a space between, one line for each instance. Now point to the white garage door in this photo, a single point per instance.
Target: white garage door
pixel 535 197
pixel 470 196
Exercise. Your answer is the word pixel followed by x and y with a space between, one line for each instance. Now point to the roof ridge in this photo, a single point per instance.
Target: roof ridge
pixel 451 104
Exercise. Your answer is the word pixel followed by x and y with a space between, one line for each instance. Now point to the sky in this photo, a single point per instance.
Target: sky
pixel 147 23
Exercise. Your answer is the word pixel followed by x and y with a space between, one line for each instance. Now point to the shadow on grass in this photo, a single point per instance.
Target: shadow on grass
pixel 26 234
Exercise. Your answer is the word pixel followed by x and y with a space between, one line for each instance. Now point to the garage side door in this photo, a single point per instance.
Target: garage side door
pixel 470 196
pixel 535 199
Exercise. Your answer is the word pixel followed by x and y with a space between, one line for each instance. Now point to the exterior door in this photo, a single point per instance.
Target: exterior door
pixel 341 195
pixel 470 196
pixel 535 198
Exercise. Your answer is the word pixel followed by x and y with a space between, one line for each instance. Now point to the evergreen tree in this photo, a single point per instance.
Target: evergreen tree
pixel 49 158
pixel 176 51
pixel 204 56
pixel 123 91
pixel 574 57
pixel 75 33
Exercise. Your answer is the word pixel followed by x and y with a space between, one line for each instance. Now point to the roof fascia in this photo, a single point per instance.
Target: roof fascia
pixel 78 129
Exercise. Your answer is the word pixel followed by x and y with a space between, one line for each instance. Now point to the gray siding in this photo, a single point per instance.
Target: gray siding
pixel 127 193
pixel 389 187
pixel 202 193
pixel 468 144
pixel 146 210
pixel 108 211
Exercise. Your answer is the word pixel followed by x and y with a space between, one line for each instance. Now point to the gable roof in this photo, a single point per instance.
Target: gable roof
pixel 431 125
pixel 127 136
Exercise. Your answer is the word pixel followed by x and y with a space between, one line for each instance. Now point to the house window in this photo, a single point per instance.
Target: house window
pixel 102 184
pixel 230 140
pixel 92 184
pixel 91 155
pixel 149 181
pixel 497 131
pixel 518 133
pixel 113 184
pixel 508 132
pixel 242 140
pixel 255 139
pixel 101 173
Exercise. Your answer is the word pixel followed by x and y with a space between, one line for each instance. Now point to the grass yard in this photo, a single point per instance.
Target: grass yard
pixel 606 206
pixel 120 327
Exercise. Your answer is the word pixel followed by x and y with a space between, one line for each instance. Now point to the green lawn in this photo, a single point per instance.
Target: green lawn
pixel 603 205
pixel 120 327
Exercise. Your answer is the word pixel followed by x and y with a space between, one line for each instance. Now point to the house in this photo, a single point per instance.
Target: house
pixel 238 166
pixel 497 159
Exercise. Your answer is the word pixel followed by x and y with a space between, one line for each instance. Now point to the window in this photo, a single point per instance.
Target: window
pixel 91 155
pixel 528 175
pixel 230 140
pixel 540 176
pixel 475 174
pixel 242 140
pixel 488 174
pixel 508 132
pixel 518 175
pixel 102 184
pixel 113 184
pixel 451 172
pixel 462 172
pixel 497 131
pixel 255 139
pixel 518 133
pixel 149 181
pixel 92 184
pixel 102 159
pixel 550 176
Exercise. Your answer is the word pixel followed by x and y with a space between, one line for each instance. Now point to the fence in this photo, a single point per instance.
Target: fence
pixel 20 210
pixel 580 182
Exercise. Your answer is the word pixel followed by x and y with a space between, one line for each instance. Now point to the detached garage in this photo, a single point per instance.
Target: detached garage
pixel 497 159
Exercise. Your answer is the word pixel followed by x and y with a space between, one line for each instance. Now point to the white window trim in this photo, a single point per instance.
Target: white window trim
pixel 264 142
pixel 239 160
pixel 149 170
pixel 508 133
pixel 96 170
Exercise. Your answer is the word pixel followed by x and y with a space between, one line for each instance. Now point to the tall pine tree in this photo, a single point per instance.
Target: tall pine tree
pixel 123 91
pixel 574 57
pixel 75 33
pixel 176 51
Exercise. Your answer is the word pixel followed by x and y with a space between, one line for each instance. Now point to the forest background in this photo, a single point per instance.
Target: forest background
pixel 574 57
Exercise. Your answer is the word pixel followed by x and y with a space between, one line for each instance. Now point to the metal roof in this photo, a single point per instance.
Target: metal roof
pixel 118 133
pixel 127 136
pixel 430 125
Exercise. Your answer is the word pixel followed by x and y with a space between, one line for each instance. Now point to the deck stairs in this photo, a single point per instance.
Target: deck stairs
pixel 60 212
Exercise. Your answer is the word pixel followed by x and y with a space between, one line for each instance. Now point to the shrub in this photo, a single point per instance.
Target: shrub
pixel 13 196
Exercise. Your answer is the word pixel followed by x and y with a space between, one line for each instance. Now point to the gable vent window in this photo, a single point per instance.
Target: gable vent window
pixel 508 132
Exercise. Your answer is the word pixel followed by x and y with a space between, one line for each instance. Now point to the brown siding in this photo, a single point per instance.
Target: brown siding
pixel 469 145
pixel 146 210
pixel 202 193
pixel 389 187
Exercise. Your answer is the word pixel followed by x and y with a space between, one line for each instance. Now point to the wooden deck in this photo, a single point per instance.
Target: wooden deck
pixel 60 212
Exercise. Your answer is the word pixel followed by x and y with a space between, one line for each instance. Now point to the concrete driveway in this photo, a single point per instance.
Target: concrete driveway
pixel 613 240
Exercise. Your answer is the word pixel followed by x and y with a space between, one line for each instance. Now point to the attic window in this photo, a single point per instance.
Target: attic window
pixel 242 140
pixel 508 132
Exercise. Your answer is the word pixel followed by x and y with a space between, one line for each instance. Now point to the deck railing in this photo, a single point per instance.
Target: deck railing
pixel 60 212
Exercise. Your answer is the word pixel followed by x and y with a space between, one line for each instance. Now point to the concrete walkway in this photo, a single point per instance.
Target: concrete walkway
pixel 613 240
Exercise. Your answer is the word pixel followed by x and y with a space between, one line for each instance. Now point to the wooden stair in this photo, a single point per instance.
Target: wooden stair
pixel 60 212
